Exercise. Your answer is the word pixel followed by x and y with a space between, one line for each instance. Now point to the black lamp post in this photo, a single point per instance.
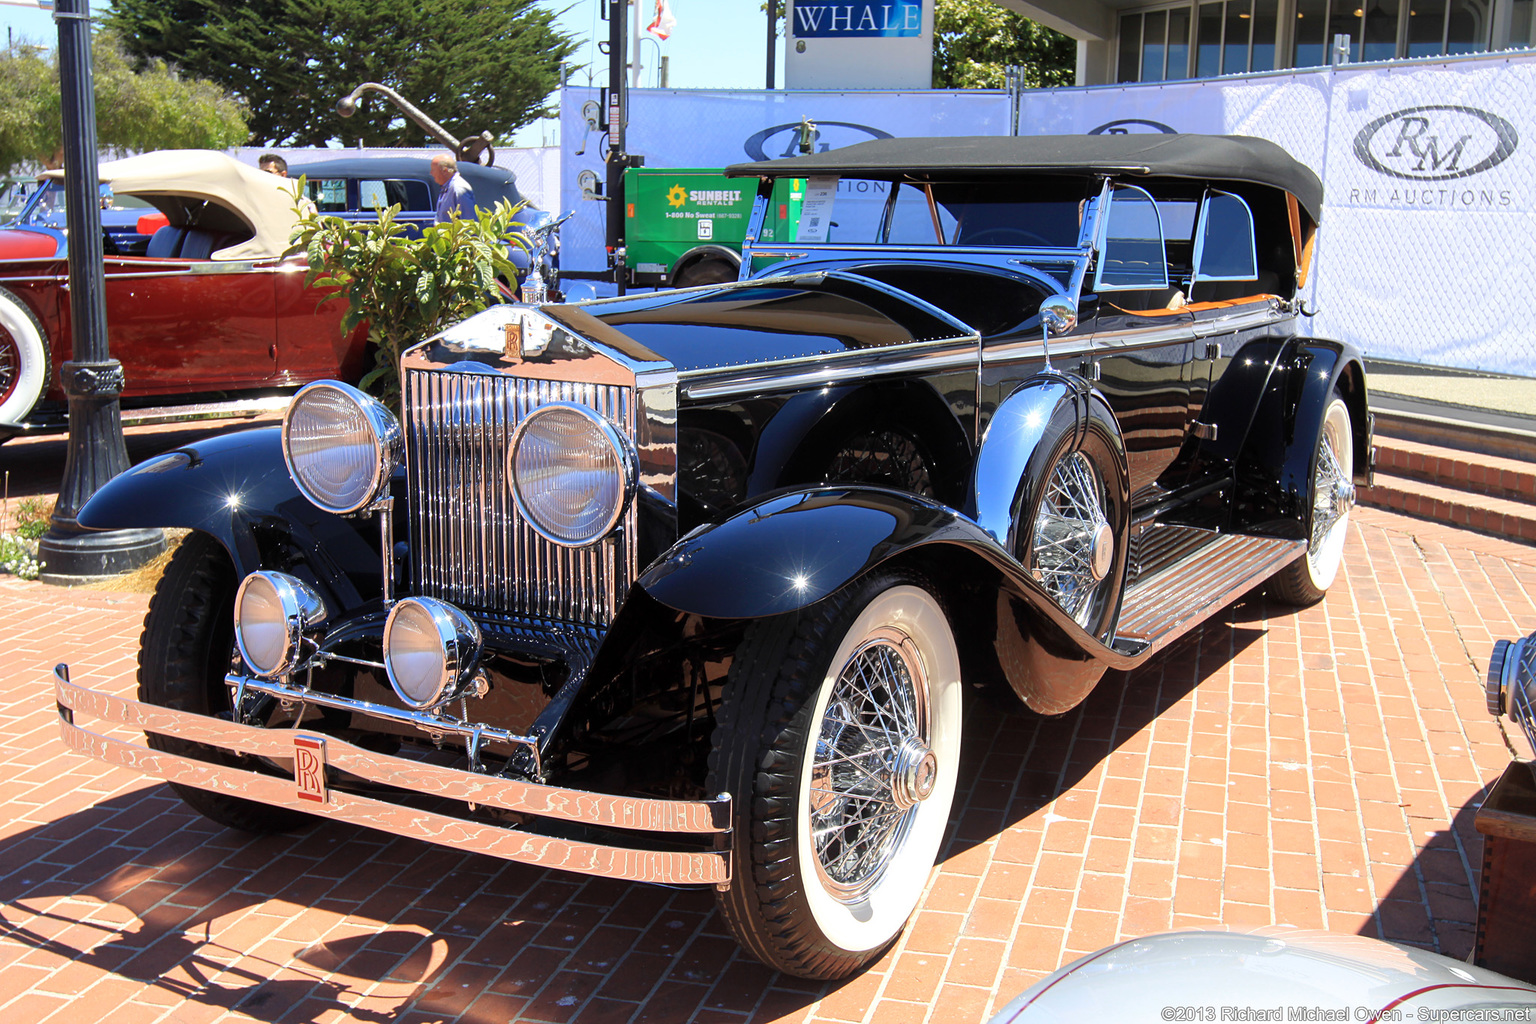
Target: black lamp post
pixel 92 379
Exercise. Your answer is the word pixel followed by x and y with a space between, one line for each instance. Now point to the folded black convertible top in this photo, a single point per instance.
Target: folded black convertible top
pixel 1215 157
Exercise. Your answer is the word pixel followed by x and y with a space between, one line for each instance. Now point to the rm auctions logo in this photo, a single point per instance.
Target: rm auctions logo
pixel 783 140
pixel 1133 126
pixel 1436 142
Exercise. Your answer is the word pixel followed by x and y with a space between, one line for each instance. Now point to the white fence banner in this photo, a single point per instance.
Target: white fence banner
pixel 704 128
pixel 1428 167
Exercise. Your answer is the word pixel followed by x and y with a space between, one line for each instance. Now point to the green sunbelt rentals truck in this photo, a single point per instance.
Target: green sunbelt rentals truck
pixel 684 225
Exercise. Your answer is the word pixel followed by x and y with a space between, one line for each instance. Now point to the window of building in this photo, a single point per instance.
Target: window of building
pixel 1390 29
pixel 1154 45
pixel 1204 38
pixel 1229 36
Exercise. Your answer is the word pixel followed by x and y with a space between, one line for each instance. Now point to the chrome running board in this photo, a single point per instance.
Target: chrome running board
pixel 1160 608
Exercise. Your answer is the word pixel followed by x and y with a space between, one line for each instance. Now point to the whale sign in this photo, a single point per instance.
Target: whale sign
pixel 858 44
pixel 841 19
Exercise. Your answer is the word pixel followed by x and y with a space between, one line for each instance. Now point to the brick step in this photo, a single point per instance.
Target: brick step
pixel 1501 517
pixel 1463 471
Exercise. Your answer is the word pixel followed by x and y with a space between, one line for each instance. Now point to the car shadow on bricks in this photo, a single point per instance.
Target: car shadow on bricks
pixel 1017 763
pixel 338 920
pixel 1432 903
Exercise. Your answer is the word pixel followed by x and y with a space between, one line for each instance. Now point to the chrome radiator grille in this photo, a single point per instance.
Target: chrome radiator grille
pixel 471 547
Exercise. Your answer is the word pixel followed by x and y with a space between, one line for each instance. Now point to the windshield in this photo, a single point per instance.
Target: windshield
pixel 853 211
pixel 46 209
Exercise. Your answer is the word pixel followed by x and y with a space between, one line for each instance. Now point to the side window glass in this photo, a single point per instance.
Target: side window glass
pixel 1131 255
pixel 373 195
pixel 329 194
pixel 404 193
pixel 1224 247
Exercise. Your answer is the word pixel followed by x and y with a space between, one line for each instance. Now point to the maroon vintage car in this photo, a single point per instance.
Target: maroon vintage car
pixel 212 319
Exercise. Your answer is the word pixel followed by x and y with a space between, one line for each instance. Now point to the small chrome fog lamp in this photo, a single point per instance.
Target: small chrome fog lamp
pixel 431 651
pixel 272 611
pixel 1511 683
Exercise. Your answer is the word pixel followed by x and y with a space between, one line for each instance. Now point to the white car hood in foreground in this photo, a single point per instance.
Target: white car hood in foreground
pixel 1275 974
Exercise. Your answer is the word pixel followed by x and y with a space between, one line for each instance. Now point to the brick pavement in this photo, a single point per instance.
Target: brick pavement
pixel 1319 769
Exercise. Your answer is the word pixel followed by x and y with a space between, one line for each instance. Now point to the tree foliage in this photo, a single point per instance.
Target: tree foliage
pixel 406 289
pixel 149 108
pixel 470 65
pixel 975 40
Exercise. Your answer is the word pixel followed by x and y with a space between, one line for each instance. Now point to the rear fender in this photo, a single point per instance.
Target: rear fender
pixel 1274 468
pixel 236 488
pixel 1016 449
pixel 795 548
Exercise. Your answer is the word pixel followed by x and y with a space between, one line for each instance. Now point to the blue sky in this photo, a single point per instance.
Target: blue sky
pixel 717 44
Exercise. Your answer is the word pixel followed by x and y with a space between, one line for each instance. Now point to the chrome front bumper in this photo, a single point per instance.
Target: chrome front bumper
pixel 311 753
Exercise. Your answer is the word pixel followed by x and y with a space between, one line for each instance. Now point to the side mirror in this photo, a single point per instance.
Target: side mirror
pixel 1059 314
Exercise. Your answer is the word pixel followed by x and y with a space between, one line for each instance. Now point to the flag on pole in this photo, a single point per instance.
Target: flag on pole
pixel 662 25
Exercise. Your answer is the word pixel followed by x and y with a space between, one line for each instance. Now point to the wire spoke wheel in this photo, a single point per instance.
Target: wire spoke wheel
pixel 1072 541
pixel 23 359
pixel 839 738
pixel 871 764
pixel 10 365
pixel 887 457
pixel 1332 496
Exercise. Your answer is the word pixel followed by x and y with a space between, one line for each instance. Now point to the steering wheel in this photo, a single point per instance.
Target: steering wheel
pixel 1006 236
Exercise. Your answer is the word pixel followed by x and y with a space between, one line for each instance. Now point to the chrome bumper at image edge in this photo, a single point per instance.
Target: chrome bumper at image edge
pixel 698 817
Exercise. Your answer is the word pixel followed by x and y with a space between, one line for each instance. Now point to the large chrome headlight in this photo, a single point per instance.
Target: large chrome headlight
pixel 572 473
pixel 431 651
pixel 272 611
pixel 340 446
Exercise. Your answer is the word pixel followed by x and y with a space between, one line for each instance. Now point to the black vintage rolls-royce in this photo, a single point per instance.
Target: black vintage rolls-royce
pixel 690 587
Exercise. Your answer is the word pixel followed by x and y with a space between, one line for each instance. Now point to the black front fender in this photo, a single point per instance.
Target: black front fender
pixel 236 488
pixel 795 548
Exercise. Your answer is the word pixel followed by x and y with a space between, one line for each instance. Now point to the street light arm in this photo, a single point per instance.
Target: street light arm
pixel 469 149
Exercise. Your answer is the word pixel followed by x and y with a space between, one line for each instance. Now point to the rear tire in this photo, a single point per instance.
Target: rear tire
pixel 706 271
pixel 1330 496
pixel 189 642
pixel 23 359
pixel 839 740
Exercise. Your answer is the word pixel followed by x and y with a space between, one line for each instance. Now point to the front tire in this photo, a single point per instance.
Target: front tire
pixel 189 640
pixel 23 359
pixel 839 739
pixel 1330 497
